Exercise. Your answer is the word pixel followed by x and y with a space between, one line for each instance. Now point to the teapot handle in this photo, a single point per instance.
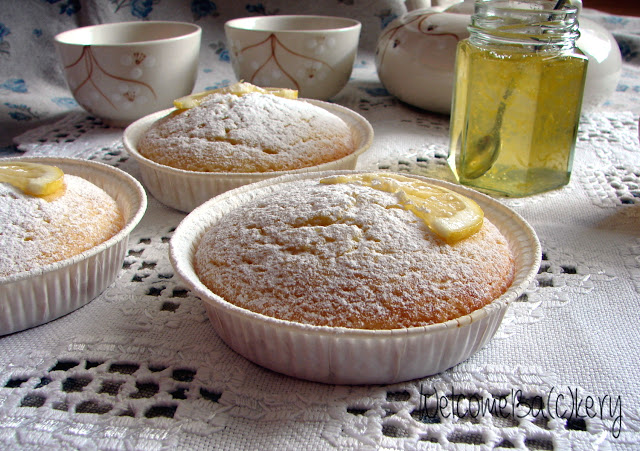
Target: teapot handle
pixel 438 5
pixel 412 5
pixel 577 4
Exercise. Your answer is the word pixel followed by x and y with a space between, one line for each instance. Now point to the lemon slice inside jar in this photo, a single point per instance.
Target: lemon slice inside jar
pixel 450 215
pixel 34 179
pixel 240 88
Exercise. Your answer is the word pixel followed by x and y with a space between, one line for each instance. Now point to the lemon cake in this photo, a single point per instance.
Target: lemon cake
pixel 35 231
pixel 356 253
pixel 249 133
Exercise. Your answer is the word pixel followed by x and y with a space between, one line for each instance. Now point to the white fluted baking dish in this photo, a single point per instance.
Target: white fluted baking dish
pixel 43 294
pixel 185 190
pixel 342 355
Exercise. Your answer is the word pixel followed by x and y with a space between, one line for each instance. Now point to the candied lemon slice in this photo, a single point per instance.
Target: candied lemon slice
pixel 34 179
pixel 450 215
pixel 240 88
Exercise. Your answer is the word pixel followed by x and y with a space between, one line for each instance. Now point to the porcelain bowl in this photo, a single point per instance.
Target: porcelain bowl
pixel 121 72
pixel 312 54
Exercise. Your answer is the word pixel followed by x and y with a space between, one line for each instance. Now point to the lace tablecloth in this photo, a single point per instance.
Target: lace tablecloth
pixel 140 367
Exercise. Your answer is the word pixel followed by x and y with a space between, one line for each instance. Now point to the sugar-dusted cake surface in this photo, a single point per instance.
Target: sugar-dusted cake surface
pixel 250 133
pixel 344 255
pixel 37 231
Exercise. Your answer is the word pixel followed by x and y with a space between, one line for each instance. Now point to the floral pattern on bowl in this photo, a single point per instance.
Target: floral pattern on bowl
pixel 312 54
pixel 91 83
pixel 272 67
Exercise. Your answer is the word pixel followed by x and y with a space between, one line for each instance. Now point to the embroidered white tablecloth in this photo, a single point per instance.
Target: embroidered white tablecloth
pixel 140 367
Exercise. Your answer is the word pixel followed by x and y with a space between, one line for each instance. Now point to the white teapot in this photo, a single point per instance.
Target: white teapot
pixel 415 55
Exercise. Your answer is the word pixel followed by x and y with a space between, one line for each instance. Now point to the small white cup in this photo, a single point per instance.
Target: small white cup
pixel 121 72
pixel 313 54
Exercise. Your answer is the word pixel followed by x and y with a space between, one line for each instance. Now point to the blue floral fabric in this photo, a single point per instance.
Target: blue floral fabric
pixel 32 86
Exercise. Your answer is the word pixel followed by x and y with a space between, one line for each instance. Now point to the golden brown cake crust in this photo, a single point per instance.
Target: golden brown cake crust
pixel 346 255
pixel 35 231
pixel 252 133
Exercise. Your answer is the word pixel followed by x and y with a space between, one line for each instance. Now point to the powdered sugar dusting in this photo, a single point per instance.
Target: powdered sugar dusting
pixel 251 133
pixel 347 255
pixel 36 231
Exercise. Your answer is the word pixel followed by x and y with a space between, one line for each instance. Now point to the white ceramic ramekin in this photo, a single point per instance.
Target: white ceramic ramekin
pixel 342 355
pixel 185 190
pixel 43 294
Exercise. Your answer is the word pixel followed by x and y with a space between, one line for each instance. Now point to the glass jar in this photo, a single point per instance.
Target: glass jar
pixel 517 97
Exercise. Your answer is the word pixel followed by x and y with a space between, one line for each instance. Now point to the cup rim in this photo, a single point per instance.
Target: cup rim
pixel 252 23
pixel 68 37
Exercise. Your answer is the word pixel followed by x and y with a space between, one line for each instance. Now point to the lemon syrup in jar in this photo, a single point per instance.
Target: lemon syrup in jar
pixel 517 97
